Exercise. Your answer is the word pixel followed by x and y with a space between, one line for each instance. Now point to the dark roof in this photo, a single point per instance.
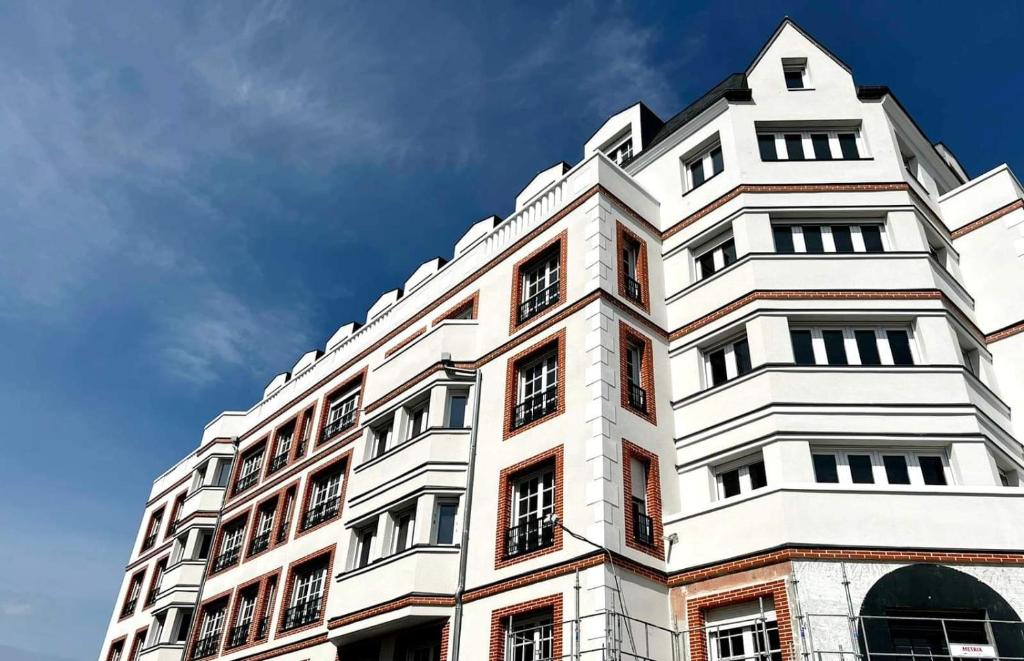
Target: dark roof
pixel 733 88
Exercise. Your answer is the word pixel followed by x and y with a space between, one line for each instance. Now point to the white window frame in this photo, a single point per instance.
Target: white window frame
pixel 835 149
pixel 284 442
pixel 537 375
pixel 707 165
pixel 436 520
pixel 265 522
pixel 325 488
pixel 252 464
pixel 827 242
pixel 731 365
pixel 748 627
pixel 743 466
pixel 881 478
pixel 451 396
pixel 526 632
pixel 541 274
pixel 528 501
pixel 246 610
pixel 213 622
pixel 309 585
pixel 621 149
pixel 850 342
pixel 365 536
pixel 403 541
pixel 232 538
pixel 342 406
pixel 222 472
pixel 796 64
pixel 382 437
pixel 716 249
pixel 419 409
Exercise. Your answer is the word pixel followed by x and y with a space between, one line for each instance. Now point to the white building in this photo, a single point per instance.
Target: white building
pixel 736 385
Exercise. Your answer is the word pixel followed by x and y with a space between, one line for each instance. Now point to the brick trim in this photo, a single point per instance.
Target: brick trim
pixel 274 498
pixel 275 441
pixel 140 577
pixel 696 609
pixel 561 240
pixel 157 573
pixel 157 517
pixel 472 301
pixel 413 599
pixel 556 340
pixel 280 521
pixel 624 235
pixel 218 539
pixel 327 552
pixel 197 624
pixel 260 446
pixel 260 584
pixel 325 404
pixel 1006 332
pixel 177 505
pixel 501 618
pixel 505 478
pixel 305 421
pixel 987 218
pixel 626 335
pixel 406 342
pixel 653 489
pixel 342 463
pixel 445 635
pixel 115 644
pixel 281 650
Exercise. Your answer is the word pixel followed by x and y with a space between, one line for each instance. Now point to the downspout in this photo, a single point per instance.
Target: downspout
pixel 209 556
pixel 466 511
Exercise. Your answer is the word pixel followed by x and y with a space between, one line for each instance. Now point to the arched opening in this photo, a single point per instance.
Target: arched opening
pixel 937 613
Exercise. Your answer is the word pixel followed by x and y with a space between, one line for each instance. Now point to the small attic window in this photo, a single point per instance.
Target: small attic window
pixel 620 149
pixel 795 71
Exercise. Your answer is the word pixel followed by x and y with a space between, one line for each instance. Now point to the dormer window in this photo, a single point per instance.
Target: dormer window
pixel 621 150
pixel 794 69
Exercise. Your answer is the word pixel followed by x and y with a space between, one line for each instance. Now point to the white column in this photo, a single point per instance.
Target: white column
pixel 752 232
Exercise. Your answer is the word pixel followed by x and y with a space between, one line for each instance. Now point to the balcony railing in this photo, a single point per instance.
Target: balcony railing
pixel 539 302
pixel 151 597
pixel 239 635
pixel 277 462
pixel 302 613
pixel 320 513
pixel 246 481
pixel 206 646
pixel 337 426
pixel 535 534
pixel 260 543
pixel 149 542
pixel 637 398
pixel 282 532
pixel 227 558
pixel 643 528
pixel 129 607
pixel 633 291
pixel 261 627
pixel 536 407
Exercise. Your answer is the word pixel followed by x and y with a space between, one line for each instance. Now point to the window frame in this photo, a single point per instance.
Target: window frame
pixel 806 143
pixel 717 249
pixel 851 347
pixel 732 364
pixel 555 248
pixel 825 227
pixel 705 158
pixel 879 475
pixel 403 516
pixel 517 421
pixel 435 522
pixel 742 466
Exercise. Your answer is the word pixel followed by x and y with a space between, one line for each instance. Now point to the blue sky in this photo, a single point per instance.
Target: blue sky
pixel 195 194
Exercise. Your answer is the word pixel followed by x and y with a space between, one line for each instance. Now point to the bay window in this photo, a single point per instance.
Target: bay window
pixel 827 237
pixel 727 361
pixel 740 477
pixel 852 345
pixel 881 466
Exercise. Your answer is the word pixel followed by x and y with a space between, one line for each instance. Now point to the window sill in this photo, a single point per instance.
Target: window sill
pixel 702 184
pixel 816 160
pixel 800 89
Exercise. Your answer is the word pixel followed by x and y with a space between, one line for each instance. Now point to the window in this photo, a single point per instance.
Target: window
pixel 743 632
pixel 831 238
pixel 158 577
pixel 287 510
pixel 852 346
pixel 714 259
pixel 307 433
pixel 263 624
pixel 324 499
pixel 239 633
pixel 704 166
pixel 880 466
pixel 131 598
pixel 741 477
pixel 631 269
pixel 365 536
pixel 443 525
pixel 533 505
pixel 137 644
pixel 457 409
pixel 537 392
pixel 380 438
pixel 403 524
pixel 727 362
pixel 539 284
pixel 637 396
pixel 810 144
pixel 794 71
pixel 341 414
pixel 252 463
pixel 203 543
pixel 116 650
pixel 222 472
pixel 417 420
pixel 264 527
pixel 621 151
pixel 971 359
pixel 179 503
pixel 307 596
pixel 210 631
pixel 153 529
pixel 530 637
pixel 643 525
pixel 283 447
pixel 230 545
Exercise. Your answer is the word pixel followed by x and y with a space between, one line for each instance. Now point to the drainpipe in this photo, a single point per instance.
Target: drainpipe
pixel 466 511
pixel 209 556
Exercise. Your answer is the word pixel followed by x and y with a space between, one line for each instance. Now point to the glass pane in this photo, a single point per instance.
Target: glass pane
pixel 867 347
pixel 728 252
pixel 457 412
pixel 848 145
pixel 860 469
pixel 825 470
pixel 803 350
pixel 812 239
pixel 841 238
pixel 757 477
pixel 899 343
pixel 730 483
pixel 717 361
pixel 697 172
pixel 872 235
pixel 766 145
pixel 932 470
pixel 741 351
pixel 795 146
pixel 794 79
pixel 819 141
pixel 706 264
pixel 783 239
pixel 717 164
pixel 835 347
pixel 896 469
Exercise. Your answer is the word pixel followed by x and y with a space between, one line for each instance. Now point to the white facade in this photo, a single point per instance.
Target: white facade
pixel 739 379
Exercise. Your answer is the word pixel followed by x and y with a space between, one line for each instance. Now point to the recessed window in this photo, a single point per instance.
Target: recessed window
pixel 880 466
pixel 704 166
pixel 810 144
pixel 403 524
pixel 282 447
pixel 264 527
pixel 210 631
pixel 712 259
pixel 631 269
pixel 365 536
pixel 287 511
pixel 380 437
pixel 727 361
pixel 131 598
pixel 153 529
pixel 741 477
pixel 204 542
pixel 537 392
pixel 827 238
pixel 325 497
pixel 307 433
pixel 868 346
pixel 530 526
pixel 230 545
pixel 637 396
pixel 740 632
pixel 456 415
pixel 621 151
pixel 539 284
pixel 246 612
pixel 443 525
pixel 306 604
pixel 341 414
pixel 643 524
pixel 530 637
pixel 416 419
pixel 252 464
pixel 794 71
